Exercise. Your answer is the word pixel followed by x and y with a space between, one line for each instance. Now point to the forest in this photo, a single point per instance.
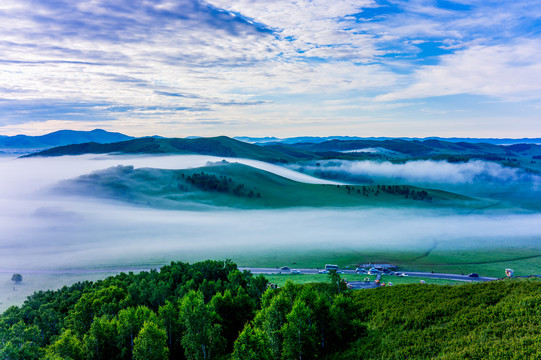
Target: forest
pixel 211 310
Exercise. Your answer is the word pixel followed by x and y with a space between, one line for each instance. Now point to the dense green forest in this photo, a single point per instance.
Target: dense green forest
pixel 211 310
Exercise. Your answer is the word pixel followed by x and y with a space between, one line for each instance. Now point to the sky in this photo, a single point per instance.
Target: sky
pixel 272 67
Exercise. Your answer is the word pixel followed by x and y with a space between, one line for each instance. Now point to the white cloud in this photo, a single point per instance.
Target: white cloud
pixel 511 71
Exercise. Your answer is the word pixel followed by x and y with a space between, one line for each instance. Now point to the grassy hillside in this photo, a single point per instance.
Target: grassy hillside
pixel 241 186
pixel 527 156
pixel 216 146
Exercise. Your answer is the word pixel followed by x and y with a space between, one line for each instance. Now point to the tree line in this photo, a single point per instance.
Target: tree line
pixel 211 310
pixel 211 182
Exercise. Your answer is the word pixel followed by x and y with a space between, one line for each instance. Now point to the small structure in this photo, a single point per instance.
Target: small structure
pixel 509 272
pixel 379 265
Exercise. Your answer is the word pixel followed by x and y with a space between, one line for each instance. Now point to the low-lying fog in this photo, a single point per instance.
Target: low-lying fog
pixel 42 231
pixel 474 178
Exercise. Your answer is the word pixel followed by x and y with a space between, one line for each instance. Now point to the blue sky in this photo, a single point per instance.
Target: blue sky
pixel 272 67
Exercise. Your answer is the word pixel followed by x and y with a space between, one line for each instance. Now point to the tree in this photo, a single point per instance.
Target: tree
pixel 300 333
pixel 17 278
pixel 68 346
pixel 20 341
pixel 151 343
pixel 99 341
pixel 202 337
pixel 168 315
pixel 129 322
pixel 252 344
pixel 337 281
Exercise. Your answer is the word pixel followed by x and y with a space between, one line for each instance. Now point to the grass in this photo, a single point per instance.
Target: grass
pixel 280 279
pixel 170 189
pixel 485 261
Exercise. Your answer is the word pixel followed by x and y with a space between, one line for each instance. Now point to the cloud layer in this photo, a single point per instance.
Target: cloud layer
pixel 286 67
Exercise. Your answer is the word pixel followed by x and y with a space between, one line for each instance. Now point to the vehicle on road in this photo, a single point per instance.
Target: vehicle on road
pixel 361 271
pixel 295 272
pixel 284 268
pixel 401 274
pixel 331 267
pixel 323 271
pixel 473 275
pixel 373 271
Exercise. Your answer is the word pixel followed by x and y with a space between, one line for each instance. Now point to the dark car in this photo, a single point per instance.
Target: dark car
pixel 284 268
pixel 473 275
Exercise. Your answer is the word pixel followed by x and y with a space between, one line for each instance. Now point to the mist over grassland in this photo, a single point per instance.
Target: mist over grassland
pixel 49 230
pixel 473 178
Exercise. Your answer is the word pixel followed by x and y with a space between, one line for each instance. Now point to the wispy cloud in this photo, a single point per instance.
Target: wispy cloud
pixel 197 58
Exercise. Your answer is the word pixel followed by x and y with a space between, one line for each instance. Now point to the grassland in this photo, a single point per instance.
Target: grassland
pixel 487 262
pixel 241 186
pixel 280 279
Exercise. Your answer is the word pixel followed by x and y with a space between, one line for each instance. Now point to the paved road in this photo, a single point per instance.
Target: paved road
pixel 455 277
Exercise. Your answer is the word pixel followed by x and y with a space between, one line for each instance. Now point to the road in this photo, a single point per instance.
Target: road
pixel 364 285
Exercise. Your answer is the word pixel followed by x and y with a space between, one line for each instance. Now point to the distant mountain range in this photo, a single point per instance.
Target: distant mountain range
pixel 316 139
pixel 527 156
pixel 24 144
pixel 216 146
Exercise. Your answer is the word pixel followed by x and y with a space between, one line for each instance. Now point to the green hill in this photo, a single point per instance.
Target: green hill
pixel 240 186
pixel 216 146
pixel 527 156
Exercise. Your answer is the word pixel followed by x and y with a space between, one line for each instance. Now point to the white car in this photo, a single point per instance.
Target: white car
pixel 295 272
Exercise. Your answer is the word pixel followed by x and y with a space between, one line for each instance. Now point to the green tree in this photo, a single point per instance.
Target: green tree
pixel 234 309
pixel 129 322
pixel 151 343
pixel 202 339
pixel 67 347
pixel 168 315
pixel 338 283
pixel 252 344
pixel 99 342
pixel 300 334
pixel 20 341
pixel 272 318
pixel 17 278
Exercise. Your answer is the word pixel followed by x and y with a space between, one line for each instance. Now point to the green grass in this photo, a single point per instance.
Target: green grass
pixel 280 279
pixel 170 189
pixel 461 260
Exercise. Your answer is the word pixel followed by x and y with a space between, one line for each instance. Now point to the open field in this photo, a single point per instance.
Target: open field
pixel 280 280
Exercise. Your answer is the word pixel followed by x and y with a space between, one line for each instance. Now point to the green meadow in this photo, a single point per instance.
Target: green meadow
pixel 240 186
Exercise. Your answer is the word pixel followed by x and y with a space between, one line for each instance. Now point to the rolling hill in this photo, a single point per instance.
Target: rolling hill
pixel 526 156
pixel 241 186
pixel 216 146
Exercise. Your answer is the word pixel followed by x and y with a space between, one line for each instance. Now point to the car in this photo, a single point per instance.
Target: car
pixel 295 272
pixel 473 275
pixel 323 271
pixel 361 271
pixel 373 271
pixel 339 272
pixel 401 274
pixel 284 268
